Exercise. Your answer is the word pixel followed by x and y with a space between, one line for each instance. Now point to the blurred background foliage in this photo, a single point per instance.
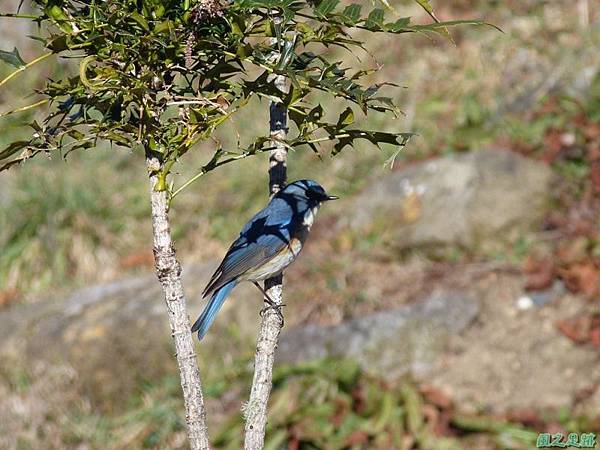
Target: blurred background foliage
pixel 459 98
pixel 68 224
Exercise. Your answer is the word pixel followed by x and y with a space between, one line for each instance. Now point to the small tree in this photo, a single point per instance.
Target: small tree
pixel 159 76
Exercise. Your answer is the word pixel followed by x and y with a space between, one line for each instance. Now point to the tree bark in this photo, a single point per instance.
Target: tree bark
pixel 271 324
pixel 168 271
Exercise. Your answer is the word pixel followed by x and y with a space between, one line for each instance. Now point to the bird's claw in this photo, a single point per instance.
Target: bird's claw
pixel 276 307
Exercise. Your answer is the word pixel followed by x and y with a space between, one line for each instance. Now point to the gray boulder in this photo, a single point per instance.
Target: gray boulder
pixel 515 359
pixel 467 200
pixel 391 343
pixel 487 355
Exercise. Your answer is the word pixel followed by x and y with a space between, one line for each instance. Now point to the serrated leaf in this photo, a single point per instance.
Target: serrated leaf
pixel 351 14
pixel 398 25
pixel 441 27
pixel 375 19
pixel 13 58
pixel 326 7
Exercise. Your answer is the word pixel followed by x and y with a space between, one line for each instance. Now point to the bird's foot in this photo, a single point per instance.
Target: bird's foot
pixel 276 307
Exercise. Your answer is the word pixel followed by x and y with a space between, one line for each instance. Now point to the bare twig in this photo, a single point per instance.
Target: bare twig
pixel 256 408
pixel 168 271
pixel 25 108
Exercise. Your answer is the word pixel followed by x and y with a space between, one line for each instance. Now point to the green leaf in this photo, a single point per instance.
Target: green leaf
pixel 293 96
pixel 13 148
pixel 56 13
pixel 399 25
pixel 351 14
pixel 428 8
pixel 441 27
pixel 163 27
pixel 326 7
pixel 375 19
pixel 140 20
pixel 346 118
pixel 13 58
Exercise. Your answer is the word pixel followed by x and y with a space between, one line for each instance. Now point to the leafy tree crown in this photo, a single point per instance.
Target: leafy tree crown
pixel 162 75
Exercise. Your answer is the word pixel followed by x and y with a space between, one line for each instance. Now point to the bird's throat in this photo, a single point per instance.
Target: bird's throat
pixel 309 216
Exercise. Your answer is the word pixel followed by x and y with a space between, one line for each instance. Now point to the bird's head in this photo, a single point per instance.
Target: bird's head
pixel 309 191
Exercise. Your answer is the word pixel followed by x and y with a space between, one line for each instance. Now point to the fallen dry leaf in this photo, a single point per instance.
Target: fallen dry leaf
pixel 7 297
pixel 594 333
pixel 591 131
pixel 553 143
pixel 595 175
pixel 293 444
pixel 539 273
pixel 575 329
pixel 583 277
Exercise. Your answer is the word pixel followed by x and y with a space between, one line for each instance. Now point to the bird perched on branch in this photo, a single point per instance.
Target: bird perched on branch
pixel 267 244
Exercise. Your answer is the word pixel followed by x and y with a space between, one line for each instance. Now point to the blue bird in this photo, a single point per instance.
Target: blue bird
pixel 267 244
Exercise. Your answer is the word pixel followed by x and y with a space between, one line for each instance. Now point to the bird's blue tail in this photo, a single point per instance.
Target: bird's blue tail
pixel 210 311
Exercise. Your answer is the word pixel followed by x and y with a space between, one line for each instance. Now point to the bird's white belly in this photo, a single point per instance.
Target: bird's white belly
pixel 276 264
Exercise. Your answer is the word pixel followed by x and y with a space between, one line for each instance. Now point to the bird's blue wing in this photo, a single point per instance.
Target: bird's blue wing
pixel 242 258
pixel 265 235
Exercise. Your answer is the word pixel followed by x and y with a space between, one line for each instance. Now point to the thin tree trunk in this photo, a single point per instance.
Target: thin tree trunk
pixel 168 271
pixel 256 409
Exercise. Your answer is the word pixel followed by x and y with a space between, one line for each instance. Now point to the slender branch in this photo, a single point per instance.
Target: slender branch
pixel 168 271
pixel 256 409
pixel 19 16
pixel 24 108
pixel 25 67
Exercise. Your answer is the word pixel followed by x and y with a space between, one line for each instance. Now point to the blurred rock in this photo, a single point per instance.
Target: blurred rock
pixel 390 343
pixel 471 199
pixel 511 359
pixel 113 336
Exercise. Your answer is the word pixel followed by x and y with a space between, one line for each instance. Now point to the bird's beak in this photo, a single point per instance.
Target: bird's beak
pixel 332 197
